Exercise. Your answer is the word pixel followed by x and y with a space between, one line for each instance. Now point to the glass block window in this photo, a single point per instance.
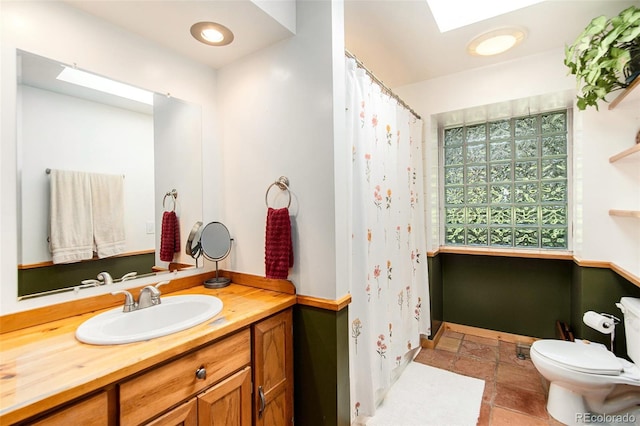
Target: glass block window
pixel 505 183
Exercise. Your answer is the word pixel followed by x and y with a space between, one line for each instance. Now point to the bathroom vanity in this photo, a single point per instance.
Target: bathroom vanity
pixel 236 367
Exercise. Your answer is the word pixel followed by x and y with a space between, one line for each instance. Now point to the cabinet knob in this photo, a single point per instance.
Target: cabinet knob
pixel 201 373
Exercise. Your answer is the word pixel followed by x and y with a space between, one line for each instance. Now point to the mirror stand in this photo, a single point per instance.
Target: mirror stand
pixel 216 245
pixel 217 282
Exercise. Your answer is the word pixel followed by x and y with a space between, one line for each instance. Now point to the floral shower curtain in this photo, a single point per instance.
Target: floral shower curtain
pixel 389 287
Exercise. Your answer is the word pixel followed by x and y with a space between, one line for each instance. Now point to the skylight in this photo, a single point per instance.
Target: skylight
pixel 452 14
pixel 92 81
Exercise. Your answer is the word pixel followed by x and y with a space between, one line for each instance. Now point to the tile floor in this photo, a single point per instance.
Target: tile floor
pixel 515 393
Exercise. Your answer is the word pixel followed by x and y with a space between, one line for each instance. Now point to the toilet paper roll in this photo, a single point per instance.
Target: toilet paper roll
pixel 598 322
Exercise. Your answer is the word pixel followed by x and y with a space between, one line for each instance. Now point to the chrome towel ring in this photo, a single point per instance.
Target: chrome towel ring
pixel 283 184
pixel 174 196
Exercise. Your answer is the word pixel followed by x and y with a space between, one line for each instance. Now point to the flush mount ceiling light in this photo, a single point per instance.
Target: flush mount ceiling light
pixel 212 33
pixel 496 42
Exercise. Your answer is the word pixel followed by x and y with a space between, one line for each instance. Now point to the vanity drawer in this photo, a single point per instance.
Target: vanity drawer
pixel 162 387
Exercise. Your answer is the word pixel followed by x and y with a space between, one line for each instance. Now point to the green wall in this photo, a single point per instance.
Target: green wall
pixel 515 295
pixel 321 366
pixel 599 289
pixel 525 296
pixel 435 293
pixel 36 280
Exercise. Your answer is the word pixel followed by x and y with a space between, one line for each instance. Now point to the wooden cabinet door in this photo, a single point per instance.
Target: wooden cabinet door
pixel 273 370
pixel 93 411
pixel 227 403
pixel 183 415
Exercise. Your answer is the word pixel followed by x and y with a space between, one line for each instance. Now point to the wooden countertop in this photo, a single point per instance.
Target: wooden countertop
pixel 44 366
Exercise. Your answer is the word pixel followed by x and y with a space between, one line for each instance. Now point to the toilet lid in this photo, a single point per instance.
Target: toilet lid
pixel 580 356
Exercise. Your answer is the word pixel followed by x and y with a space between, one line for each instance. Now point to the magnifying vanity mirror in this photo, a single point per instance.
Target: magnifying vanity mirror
pixel 194 246
pixel 216 245
pixel 66 126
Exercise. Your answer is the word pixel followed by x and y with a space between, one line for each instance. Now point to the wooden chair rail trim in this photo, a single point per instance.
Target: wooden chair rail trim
pixel 45 314
pixel 625 274
pixel 634 279
pixel 591 263
pixel 327 304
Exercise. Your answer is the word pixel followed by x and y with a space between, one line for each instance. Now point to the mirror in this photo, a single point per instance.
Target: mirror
pixel 155 148
pixel 216 245
pixel 194 247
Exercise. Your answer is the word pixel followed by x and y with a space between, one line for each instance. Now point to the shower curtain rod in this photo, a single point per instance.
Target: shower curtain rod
pixel 379 82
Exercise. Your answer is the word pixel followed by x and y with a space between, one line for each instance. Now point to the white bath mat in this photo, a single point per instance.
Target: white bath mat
pixel 429 396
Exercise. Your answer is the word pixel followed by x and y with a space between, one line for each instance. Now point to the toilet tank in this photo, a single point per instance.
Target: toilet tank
pixel 630 307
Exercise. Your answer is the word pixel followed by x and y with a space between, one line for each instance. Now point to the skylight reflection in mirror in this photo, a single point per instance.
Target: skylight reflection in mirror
pixel 452 14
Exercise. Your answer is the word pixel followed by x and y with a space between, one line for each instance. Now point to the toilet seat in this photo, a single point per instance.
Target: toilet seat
pixel 580 356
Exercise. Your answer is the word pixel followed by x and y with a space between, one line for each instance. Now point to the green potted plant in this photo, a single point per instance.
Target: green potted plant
pixel 606 56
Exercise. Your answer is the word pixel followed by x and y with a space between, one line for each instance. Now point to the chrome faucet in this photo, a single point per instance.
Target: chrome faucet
pixel 149 296
pixel 128 276
pixel 129 304
pixel 90 283
pixel 105 278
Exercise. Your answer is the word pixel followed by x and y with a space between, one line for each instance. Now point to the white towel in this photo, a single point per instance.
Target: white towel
pixel 71 225
pixel 107 201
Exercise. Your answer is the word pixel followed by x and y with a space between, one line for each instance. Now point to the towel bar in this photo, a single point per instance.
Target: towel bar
pixel 174 195
pixel 283 184
pixel 48 171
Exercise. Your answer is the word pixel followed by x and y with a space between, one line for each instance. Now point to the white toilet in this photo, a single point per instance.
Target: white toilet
pixel 586 379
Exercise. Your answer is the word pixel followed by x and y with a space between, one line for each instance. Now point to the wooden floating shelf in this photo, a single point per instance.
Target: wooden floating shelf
pixel 625 213
pixel 634 84
pixel 624 153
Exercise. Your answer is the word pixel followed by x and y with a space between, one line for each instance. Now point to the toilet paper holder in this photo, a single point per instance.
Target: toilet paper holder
pixel 603 322
pixel 615 319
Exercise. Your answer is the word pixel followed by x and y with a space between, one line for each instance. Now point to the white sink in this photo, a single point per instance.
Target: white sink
pixel 175 313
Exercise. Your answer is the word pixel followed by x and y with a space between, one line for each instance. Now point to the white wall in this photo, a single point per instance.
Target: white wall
pixel 68 133
pixel 537 83
pixel 601 185
pixel 278 119
pixel 57 31
pixel 177 129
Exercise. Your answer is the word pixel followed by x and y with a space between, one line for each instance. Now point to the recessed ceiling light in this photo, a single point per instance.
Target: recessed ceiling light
pixel 212 33
pixel 496 42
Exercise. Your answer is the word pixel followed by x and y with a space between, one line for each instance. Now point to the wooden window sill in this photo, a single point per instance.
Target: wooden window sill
pixel 506 252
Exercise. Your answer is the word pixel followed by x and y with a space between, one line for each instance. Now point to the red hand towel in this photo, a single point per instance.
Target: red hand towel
pixel 278 257
pixel 170 237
